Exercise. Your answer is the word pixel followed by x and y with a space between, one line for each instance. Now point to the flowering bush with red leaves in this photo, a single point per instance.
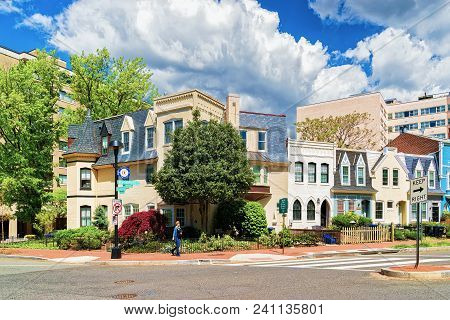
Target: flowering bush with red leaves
pixel 141 224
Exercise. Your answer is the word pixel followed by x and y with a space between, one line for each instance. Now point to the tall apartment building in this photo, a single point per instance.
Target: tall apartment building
pixel 8 59
pixel 146 136
pixel 426 116
pixel 372 103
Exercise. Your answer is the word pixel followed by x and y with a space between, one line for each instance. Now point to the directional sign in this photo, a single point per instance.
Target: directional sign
pixel 283 205
pixel 123 172
pixel 419 190
pixel 117 206
pixel 125 183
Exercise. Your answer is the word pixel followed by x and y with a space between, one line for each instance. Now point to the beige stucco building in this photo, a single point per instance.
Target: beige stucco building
pixel 9 58
pixel 427 115
pixel 146 138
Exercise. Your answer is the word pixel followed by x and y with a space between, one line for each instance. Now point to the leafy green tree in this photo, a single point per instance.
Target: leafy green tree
pixel 207 164
pixel 347 131
pixel 55 208
pixel 108 86
pixel 28 133
pixel 100 218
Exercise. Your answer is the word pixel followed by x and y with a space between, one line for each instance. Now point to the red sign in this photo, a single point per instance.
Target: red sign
pixel 117 207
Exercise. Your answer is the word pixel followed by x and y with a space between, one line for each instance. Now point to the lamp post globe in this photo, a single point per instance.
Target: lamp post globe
pixel 115 251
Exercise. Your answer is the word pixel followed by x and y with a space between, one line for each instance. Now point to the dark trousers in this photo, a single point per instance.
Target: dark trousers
pixel 177 247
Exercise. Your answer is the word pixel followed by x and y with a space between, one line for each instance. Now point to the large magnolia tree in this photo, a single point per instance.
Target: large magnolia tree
pixel 206 164
pixel 347 131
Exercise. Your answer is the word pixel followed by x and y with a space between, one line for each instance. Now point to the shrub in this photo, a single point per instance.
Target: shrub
pixel 81 238
pixel 269 240
pixel 191 232
pixel 306 239
pixel 100 218
pixel 399 234
pixel 445 215
pixel 286 238
pixel 141 223
pixel 345 220
pixel 229 217
pixel 30 237
pixel 254 223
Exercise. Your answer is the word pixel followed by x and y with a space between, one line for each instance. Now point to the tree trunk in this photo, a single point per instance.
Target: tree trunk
pixel 3 231
pixel 202 213
pixel 206 214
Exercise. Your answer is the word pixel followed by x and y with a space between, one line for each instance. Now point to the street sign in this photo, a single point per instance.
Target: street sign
pixel 115 220
pixel 419 190
pixel 126 183
pixel 117 207
pixel 283 205
pixel 123 172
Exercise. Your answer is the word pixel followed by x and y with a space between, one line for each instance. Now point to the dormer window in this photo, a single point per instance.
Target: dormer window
pixel 261 141
pixel 104 145
pixel 345 171
pixel 431 179
pixel 126 142
pixel 360 172
pixel 150 137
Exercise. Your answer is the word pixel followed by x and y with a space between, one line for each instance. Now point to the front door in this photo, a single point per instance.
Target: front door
pixel 324 214
pixel 435 212
pixel 365 208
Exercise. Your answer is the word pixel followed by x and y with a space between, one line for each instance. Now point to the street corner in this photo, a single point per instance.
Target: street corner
pixel 423 272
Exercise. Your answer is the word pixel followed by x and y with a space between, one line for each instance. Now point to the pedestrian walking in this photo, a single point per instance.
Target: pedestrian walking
pixel 176 236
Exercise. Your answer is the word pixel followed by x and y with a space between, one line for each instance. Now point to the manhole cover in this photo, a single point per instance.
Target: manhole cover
pixel 124 281
pixel 125 296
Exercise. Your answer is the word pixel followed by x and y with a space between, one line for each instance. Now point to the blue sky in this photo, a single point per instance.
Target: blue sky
pixel 275 54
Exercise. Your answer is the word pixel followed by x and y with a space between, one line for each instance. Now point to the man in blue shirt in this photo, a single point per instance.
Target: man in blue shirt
pixel 176 236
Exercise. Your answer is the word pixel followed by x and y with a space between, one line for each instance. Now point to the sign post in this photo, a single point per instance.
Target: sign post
pixel 418 193
pixel 282 209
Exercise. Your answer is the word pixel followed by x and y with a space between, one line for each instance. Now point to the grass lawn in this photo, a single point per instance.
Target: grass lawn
pixel 30 244
pixel 426 243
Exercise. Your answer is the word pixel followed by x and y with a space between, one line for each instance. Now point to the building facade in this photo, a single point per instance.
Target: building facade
pixel 426 116
pixel 311 177
pixel 8 59
pixel 146 136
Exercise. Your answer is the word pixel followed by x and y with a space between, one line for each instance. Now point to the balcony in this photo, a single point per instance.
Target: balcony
pixel 258 192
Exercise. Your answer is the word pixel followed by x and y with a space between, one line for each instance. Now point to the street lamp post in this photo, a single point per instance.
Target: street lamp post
pixel 115 251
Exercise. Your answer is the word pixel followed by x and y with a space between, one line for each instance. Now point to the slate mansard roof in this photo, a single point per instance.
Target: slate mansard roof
pixel 87 138
pixel 410 163
pixel 276 128
pixel 353 157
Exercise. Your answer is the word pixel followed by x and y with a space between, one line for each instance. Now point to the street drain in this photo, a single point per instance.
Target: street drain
pixel 125 296
pixel 124 281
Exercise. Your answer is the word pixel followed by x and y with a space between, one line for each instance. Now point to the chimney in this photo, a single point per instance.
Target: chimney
pixel 232 109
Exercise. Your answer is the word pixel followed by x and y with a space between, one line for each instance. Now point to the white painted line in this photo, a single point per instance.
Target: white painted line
pixel 387 263
pixel 300 261
pixel 319 262
pixel 348 261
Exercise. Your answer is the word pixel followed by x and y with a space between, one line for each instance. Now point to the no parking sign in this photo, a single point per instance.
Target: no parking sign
pixel 117 207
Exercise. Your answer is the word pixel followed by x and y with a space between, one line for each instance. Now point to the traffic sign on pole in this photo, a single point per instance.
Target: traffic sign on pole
pixel 418 193
pixel 117 207
pixel 283 205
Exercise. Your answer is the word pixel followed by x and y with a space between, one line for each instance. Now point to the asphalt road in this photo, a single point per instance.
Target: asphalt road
pixel 34 279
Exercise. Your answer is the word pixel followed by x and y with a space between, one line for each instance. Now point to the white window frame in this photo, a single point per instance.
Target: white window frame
pixel 240 134
pixel 172 129
pixel 130 139
pixel 325 165
pixel 295 172
pixel 382 177
pixel 314 165
pixel 342 175
pixel 448 180
pixel 432 185
pixel 171 209
pixel 363 175
pixel 182 223
pixel 264 141
pixel 398 177
pixel 60 182
pixel 382 210
pixel 104 150
pixel 146 138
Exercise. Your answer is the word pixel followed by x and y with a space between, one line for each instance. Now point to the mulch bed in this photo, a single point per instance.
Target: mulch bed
pixel 424 268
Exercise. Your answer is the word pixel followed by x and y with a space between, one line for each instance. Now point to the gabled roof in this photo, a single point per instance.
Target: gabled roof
pixel 414 144
pixel 353 157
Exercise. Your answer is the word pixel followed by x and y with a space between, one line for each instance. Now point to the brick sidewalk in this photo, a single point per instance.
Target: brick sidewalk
pixel 104 255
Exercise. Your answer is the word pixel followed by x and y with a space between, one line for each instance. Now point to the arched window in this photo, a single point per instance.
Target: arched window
pixel 297 210
pixel 311 210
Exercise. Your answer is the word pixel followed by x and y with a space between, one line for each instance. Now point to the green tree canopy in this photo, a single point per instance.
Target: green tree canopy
pixel 56 207
pixel 347 131
pixel 28 132
pixel 108 86
pixel 207 164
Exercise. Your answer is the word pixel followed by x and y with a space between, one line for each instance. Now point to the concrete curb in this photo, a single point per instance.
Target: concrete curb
pixel 424 249
pixel 157 262
pixel 22 257
pixel 433 275
pixel 313 255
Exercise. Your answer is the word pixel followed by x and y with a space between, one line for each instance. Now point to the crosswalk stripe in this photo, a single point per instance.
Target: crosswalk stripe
pixel 387 263
pixel 298 262
pixel 345 262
